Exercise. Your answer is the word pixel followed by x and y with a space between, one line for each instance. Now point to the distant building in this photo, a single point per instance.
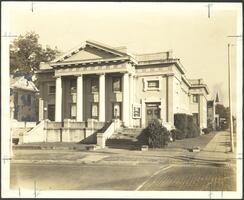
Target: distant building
pixel 198 103
pixel 22 99
pixel 212 118
pixel 95 81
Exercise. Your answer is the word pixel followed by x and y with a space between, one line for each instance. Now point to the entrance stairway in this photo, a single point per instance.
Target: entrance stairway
pixel 17 133
pixel 127 138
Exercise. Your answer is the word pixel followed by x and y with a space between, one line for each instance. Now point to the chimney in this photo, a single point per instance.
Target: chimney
pixel 169 54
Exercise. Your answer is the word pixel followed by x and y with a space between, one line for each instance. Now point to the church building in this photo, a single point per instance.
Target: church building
pixel 102 83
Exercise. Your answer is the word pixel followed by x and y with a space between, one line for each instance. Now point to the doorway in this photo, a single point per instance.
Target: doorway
pixel 152 112
pixel 51 112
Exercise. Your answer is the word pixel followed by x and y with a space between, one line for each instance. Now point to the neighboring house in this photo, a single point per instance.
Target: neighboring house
pixel 213 118
pixel 22 99
pixel 198 102
pixel 95 81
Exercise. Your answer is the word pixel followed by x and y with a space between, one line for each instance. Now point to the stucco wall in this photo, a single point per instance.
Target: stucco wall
pixel 173 94
pixel 24 110
pixel 203 111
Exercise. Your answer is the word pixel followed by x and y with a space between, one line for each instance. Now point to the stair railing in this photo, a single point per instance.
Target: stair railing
pixel 37 134
pixel 103 135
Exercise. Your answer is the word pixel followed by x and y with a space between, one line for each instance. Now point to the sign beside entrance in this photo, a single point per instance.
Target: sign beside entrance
pixel 137 111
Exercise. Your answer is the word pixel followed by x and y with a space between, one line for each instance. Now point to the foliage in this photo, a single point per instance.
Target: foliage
pixel 186 126
pixel 206 130
pixel 223 113
pixel 192 129
pixel 180 122
pixel 177 134
pixel 26 54
pixel 158 136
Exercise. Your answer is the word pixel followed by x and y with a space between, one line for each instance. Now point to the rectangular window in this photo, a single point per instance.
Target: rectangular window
pixel 51 89
pixel 94 85
pixel 51 112
pixel 116 84
pixel 73 86
pixel 16 98
pixel 28 99
pixel 153 84
pixel 73 111
pixel 195 98
pixel 117 110
pixel 94 110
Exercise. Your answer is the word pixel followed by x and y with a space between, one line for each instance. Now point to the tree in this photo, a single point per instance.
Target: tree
pixel 223 113
pixel 26 54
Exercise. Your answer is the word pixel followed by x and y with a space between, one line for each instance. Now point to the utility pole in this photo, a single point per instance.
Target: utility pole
pixel 230 102
pixel 232 147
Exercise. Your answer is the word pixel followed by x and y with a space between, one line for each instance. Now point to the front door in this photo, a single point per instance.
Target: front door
pixel 51 112
pixel 152 112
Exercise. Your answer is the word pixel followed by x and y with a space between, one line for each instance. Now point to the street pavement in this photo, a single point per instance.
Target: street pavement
pixel 172 168
pixel 192 178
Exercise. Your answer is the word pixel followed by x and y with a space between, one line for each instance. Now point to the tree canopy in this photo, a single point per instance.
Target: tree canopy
pixel 223 112
pixel 26 54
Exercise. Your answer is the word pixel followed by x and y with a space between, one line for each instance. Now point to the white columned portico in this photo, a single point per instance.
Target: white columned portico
pixel 58 100
pixel 102 97
pixel 79 100
pixel 125 107
pixel 131 99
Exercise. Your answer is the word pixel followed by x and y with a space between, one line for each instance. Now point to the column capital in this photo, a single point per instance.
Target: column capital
pixel 125 73
pixel 57 76
pixel 78 75
pixel 168 75
pixel 103 73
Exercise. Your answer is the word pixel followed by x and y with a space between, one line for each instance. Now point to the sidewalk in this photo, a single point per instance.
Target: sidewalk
pixel 218 149
pixel 216 152
pixel 213 150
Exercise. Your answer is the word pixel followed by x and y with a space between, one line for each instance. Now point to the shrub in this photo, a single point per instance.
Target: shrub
pixel 192 129
pixel 206 130
pixel 173 134
pixel 158 136
pixel 186 125
pixel 180 122
pixel 15 141
pixel 177 134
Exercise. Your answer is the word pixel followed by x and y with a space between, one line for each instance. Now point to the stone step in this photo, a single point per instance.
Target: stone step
pixel 26 147
pixel 129 132
pixel 126 138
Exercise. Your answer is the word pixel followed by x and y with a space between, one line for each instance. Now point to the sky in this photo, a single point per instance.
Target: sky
pixel 199 41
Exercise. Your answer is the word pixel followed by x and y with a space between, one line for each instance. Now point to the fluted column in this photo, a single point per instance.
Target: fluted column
pixel 125 107
pixel 131 99
pixel 79 100
pixel 102 97
pixel 58 100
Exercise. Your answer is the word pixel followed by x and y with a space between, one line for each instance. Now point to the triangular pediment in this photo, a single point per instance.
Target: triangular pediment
pixel 89 53
pixel 90 50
